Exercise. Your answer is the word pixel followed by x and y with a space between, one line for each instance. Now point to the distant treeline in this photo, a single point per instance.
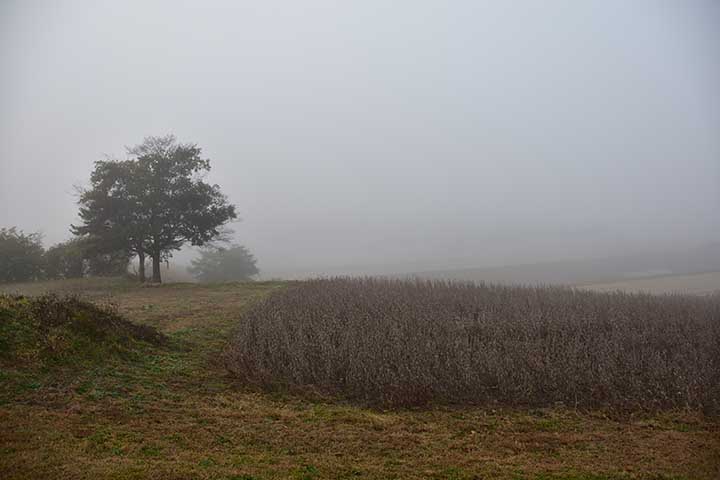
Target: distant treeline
pixel 23 258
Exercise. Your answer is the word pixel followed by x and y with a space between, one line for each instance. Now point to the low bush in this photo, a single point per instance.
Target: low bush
pixel 396 342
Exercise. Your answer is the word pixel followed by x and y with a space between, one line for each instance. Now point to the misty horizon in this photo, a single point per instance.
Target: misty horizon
pixel 372 136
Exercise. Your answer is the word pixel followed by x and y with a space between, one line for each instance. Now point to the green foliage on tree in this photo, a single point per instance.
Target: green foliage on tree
pixel 112 214
pixel 154 203
pixel 65 260
pixel 21 255
pixel 109 264
pixel 79 257
pixel 224 264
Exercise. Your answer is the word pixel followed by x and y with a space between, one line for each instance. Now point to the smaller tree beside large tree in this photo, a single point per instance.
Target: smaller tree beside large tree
pixel 21 255
pixel 79 257
pixel 220 264
pixel 153 203
pixel 65 260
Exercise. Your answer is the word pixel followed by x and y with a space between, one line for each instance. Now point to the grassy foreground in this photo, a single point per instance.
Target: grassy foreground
pixel 174 412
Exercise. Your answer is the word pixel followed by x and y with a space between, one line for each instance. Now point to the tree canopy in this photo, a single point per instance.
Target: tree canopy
pixel 224 264
pixel 112 213
pixel 153 203
pixel 21 255
pixel 65 260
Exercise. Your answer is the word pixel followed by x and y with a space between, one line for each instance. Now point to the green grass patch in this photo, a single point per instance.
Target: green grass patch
pixel 47 338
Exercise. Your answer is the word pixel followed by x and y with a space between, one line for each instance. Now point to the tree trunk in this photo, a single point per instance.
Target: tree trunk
pixel 156 266
pixel 141 266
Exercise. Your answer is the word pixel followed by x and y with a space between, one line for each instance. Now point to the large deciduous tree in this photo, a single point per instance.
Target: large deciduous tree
pixel 153 203
pixel 113 214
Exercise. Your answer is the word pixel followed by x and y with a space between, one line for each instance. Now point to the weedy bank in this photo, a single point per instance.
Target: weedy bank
pixel 400 342
pixel 49 336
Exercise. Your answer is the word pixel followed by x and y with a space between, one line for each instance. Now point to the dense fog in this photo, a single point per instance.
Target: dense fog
pixel 382 137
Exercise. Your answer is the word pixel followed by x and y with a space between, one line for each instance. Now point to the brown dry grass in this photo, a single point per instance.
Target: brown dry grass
pixel 177 415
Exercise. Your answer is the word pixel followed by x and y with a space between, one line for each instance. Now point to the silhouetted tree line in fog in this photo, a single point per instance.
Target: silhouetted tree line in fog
pixel 23 258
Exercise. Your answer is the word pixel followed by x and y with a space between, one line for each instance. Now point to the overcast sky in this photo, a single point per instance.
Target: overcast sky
pixel 375 133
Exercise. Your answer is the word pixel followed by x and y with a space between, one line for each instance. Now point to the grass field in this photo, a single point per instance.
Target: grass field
pixel 174 412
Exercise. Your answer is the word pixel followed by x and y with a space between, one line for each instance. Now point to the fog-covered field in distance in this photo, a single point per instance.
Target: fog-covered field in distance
pixel 696 284
pixel 683 270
